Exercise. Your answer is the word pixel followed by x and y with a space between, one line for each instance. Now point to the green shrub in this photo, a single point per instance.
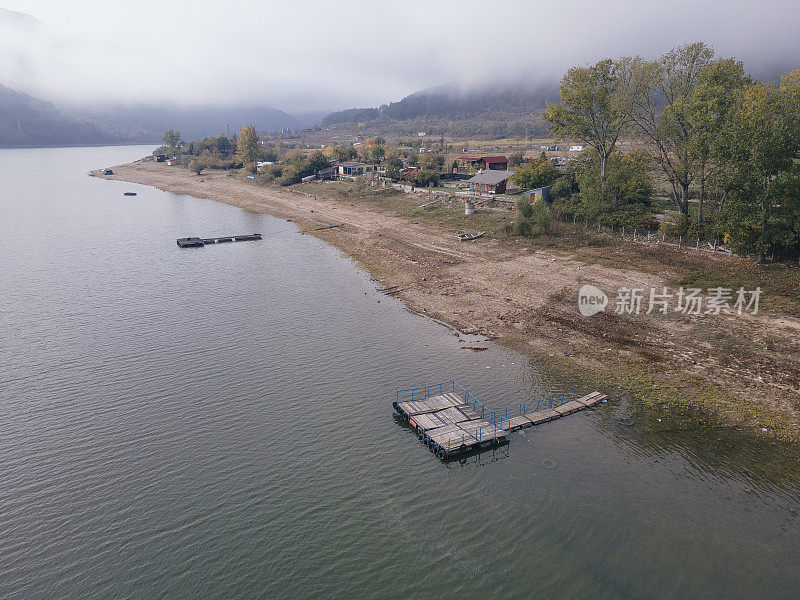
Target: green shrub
pixel 531 218
pixel 522 220
pixel 197 165
pixel 540 219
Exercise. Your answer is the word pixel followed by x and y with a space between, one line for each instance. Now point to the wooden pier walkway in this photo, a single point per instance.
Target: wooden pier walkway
pixel 196 242
pixel 450 420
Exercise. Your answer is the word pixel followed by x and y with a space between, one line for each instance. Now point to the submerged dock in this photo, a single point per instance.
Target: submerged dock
pixel 196 242
pixel 450 420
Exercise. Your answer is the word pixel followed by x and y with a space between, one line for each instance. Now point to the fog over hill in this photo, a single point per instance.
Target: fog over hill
pixel 279 65
pixel 29 121
pixel 454 100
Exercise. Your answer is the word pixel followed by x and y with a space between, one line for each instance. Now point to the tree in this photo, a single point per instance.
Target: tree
pixel 759 151
pixel 393 166
pixel 431 161
pixel 535 173
pixel 316 162
pixel 658 98
pixel 589 109
pixel 343 153
pixel 625 199
pixel 517 158
pixel 711 102
pixel 427 177
pixel 522 220
pixel 172 140
pixel 197 165
pixel 248 146
pixel 532 218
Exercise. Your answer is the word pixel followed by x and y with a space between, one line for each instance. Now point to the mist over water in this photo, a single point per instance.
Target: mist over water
pixel 217 422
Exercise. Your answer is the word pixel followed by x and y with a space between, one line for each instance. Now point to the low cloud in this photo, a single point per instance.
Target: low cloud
pixel 332 55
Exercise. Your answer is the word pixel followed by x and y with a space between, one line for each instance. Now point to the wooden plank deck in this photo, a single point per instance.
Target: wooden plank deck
pixel 519 422
pixel 451 415
pixel 449 425
pixel 569 407
pixel 452 436
pixel 431 404
pixel 469 412
pixel 591 399
pixel 543 416
pixel 427 421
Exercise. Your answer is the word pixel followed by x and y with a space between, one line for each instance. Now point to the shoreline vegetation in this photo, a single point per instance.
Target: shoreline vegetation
pixel 737 371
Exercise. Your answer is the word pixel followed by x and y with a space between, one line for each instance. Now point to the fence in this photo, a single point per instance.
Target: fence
pixel 650 236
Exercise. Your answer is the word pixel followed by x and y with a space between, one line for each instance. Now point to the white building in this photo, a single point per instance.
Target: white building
pixel 576 148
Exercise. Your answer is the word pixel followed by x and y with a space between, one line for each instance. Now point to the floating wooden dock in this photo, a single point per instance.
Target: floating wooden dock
pixel 196 242
pixel 450 420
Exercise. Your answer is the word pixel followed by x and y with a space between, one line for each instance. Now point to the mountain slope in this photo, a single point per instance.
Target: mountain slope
pixel 496 110
pixel 148 121
pixel 28 121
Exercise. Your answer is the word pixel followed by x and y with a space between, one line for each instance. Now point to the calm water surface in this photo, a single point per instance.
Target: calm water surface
pixel 216 423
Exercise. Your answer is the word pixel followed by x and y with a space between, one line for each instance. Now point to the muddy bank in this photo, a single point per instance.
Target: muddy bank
pixel 742 371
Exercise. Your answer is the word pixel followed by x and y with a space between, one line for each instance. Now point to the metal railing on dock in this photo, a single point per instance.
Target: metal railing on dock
pixel 449 419
pixel 493 416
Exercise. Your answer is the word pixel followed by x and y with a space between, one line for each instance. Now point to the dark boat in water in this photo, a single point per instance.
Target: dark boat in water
pixel 129 194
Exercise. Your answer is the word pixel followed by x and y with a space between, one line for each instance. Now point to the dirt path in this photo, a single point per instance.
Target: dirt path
pixel 528 301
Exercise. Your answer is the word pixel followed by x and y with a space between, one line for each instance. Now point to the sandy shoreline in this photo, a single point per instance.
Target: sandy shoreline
pixel 527 300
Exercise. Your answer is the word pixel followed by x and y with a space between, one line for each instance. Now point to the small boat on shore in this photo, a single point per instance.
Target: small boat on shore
pixel 465 236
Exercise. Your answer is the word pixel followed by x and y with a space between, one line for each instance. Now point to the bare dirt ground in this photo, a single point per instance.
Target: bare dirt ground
pixel 742 370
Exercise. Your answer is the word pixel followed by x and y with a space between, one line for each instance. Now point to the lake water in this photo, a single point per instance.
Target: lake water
pixel 217 423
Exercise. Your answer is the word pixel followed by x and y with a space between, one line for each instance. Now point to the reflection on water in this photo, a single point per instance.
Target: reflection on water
pixel 217 423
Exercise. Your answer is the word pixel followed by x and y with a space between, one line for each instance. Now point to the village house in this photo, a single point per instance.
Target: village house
pixel 409 172
pixel 576 148
pixel 542 193
pixel 351 168
pixel 327 174
pixel 490 182
pixel 492 163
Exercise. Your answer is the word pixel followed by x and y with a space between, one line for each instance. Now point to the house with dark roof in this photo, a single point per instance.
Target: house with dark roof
pixel 492 163
pixel 490 182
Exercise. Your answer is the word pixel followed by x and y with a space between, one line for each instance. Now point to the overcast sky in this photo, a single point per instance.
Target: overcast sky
pixel 318 55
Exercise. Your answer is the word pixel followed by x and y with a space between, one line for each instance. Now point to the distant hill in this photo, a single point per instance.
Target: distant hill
pixel 488 110
pixel 19 20
pixel 28 121
pixel 148 121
